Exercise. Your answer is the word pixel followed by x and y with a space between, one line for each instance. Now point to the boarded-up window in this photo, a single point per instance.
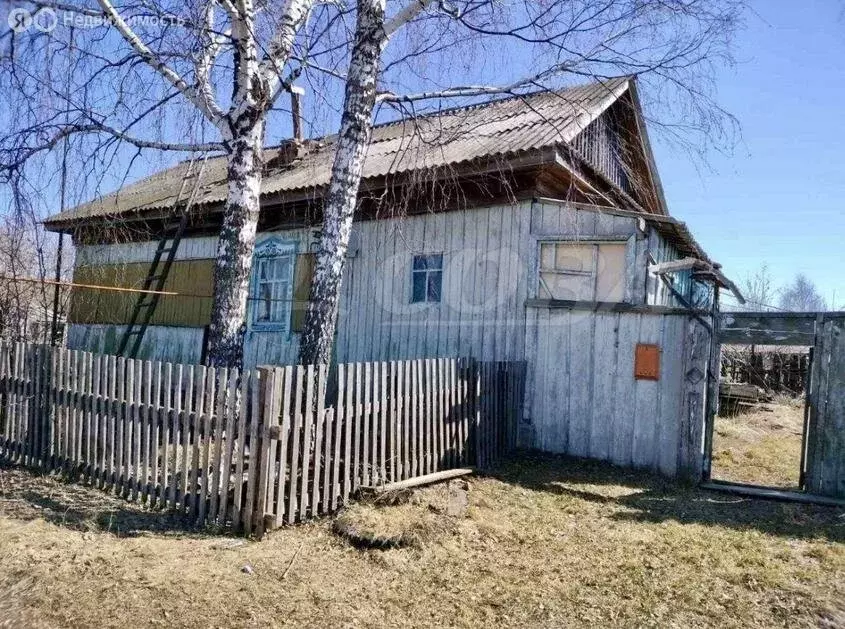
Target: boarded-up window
pixel 191 279
pixel 582 271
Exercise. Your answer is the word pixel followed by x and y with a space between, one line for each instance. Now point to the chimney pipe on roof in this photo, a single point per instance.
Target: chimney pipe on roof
pixel 296 93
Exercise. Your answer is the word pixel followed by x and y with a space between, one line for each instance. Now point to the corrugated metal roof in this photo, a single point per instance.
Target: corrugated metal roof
pixel 497 128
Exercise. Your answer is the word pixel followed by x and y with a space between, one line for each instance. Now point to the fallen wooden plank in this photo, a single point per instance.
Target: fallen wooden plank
pixel 772 493
pixel 426 479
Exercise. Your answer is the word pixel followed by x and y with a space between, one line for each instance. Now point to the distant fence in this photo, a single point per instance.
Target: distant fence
pixel 775 371
pixel 255 449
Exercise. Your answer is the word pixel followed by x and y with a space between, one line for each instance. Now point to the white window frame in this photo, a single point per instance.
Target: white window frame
pixel 426 273
pixel 272 250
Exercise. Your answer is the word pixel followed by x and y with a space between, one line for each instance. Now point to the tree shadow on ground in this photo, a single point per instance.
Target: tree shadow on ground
pixel 27 495
pixel 652 498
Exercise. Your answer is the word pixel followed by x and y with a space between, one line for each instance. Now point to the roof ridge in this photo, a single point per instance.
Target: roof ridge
pixel 496 101
pixel 473 106
pixel 322 139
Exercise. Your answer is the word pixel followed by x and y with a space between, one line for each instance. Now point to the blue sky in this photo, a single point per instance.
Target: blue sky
pixel 780 197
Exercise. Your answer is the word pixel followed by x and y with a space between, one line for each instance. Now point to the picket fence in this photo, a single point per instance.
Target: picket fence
pixel 251 450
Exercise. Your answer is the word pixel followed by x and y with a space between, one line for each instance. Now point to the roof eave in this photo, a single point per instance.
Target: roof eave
pixel 513 162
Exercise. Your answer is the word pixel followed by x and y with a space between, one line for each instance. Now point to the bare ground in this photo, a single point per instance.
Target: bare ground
pixel 762 447
pixel 544 542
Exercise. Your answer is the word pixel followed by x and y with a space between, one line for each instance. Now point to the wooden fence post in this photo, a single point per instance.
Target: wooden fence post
pixel 691 447
pixel 4 417
pixel 268 406
pixel 475 393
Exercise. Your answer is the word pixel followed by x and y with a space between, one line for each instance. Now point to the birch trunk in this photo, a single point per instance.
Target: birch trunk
pixel 236 246
pixel 339 207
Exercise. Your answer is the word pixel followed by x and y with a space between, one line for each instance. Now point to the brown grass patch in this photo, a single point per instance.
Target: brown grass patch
pixel 408 524
pixel 761 447
pixel 543 542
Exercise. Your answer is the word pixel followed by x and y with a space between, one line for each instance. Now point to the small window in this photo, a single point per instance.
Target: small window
pixel 582 271
pixel 272 286
pixel 427 278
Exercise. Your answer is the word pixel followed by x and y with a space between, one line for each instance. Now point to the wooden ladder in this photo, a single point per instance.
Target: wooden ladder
pixel 145 305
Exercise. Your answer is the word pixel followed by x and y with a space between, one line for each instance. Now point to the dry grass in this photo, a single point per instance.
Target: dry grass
pixel 413 520
pixel 761 447
pixel 544 542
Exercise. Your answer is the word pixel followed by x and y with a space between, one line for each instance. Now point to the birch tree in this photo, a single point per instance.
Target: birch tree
pixel 676 42
pixel 206 76
pixel 190 52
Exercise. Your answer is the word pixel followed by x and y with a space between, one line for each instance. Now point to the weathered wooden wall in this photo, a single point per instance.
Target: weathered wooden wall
pixel 603 144
pixel 481 314
pixel 484 287
pixel 192 279
pixel 658 293
pixel 582 398
pixel 825 462
pixel 490 269
pixel 127 265
pixel 165 343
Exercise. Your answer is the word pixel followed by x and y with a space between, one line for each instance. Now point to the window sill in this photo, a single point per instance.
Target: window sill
pixel 269 327
pixel 606 306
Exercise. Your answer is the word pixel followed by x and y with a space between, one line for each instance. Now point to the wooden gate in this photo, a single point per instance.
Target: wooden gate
pixel 823 448
pixel 825 438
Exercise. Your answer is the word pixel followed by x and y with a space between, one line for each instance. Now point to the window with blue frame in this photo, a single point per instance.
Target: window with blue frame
pixel 427 278
pixel 272 285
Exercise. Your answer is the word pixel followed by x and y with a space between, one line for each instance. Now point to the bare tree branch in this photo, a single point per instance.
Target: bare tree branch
pixel 210 110
pixel 480 90
pixel 25 153
pixel 290 22
pixel 408 13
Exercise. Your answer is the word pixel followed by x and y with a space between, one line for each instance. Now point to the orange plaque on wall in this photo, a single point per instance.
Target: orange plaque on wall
pixel 647 362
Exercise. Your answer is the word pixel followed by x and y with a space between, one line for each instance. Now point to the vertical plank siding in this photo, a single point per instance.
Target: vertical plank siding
pixel 583 399
pixel 481 313
pixel 255 449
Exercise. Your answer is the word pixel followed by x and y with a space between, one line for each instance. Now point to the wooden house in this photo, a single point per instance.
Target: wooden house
pixel 526 228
